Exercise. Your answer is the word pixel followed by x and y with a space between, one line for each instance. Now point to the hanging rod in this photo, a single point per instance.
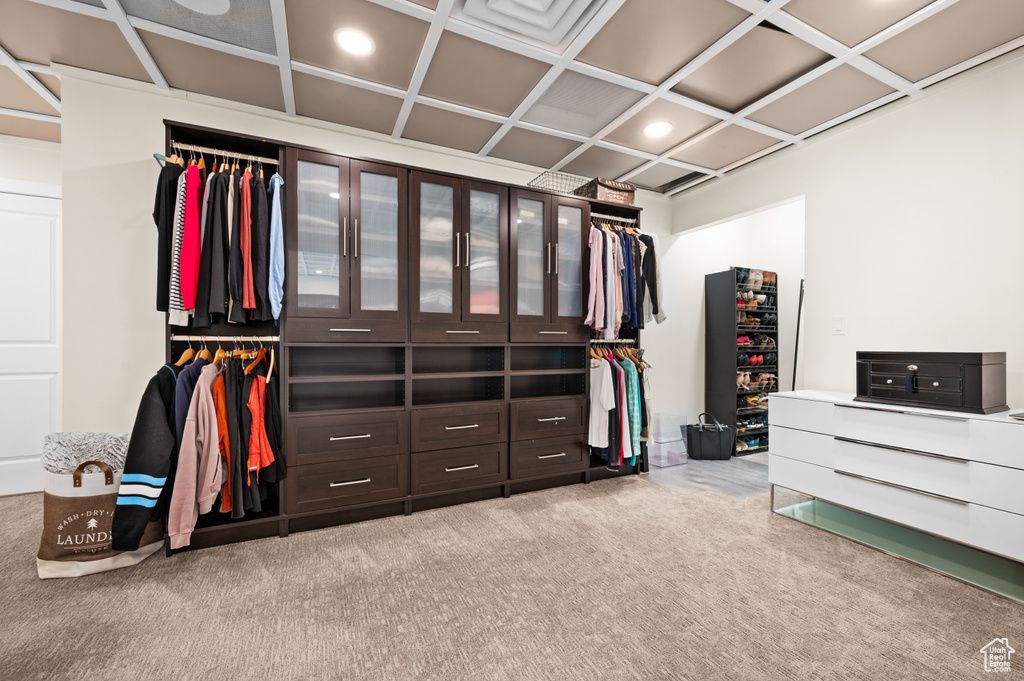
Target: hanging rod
pixel 628 221
pixel 239 339
pixel 222 152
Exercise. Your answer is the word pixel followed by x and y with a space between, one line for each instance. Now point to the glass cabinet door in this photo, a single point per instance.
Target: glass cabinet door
pixel 533 257
pixel 436 242
pixel 484 253
pixel 379 241
pixel 319 213
pixel 571 219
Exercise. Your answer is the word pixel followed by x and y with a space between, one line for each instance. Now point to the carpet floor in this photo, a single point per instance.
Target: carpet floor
pixel 620 579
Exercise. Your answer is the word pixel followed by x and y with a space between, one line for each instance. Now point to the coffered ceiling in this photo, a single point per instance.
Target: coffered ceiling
pixel 563 85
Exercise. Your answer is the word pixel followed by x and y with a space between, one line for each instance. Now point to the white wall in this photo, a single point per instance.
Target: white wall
pixel 771 240
pixel 113 335
pixel 29 160
pixel 914 225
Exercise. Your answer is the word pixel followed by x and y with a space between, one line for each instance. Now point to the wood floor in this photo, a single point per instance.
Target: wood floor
pixel 739 477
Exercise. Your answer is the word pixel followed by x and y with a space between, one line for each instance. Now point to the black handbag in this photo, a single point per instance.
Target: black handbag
pixel 709 442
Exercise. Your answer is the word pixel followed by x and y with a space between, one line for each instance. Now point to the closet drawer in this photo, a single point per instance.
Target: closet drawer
pixel 548 333
pixel 936 397
pixel 459 332
pixel 980 483
pixel 344 483
pixel 545 418
pixel 986 528
pixel 445 427
pixel 907 427
pixel 923 383
pixel 345 331
pixel 322 439
pixel 531 458
pixel 454 469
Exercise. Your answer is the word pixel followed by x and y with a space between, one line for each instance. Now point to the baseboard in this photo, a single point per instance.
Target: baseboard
pixel 19 476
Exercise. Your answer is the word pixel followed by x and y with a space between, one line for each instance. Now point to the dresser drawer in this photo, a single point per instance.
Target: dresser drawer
pixel 979 483
pixel 322 439
pixel 547 418
pixel 326 330
pixel 922 397
pixel 980 526
pixel 454 469
pixel 344 483
pixel 906 427
pixel 459 332
pixel 548 333
pixel 921 383
pixel 447 427
pixel 531 458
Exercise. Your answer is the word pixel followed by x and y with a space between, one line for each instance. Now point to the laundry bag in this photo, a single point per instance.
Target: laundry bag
pixel 78 507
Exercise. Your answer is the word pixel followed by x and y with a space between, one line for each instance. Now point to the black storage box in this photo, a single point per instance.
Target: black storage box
pixel 973 382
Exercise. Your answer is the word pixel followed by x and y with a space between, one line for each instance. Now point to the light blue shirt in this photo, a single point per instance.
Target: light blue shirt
pixel 276 286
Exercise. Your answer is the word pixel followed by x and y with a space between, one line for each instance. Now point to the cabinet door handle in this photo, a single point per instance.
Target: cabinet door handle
pixel 549 257
pixel 355 238
pixel 350 482
pixel 552 333
pixel 901 449
pixel 461 468
pixel 556 257
pixel 462 332
pixel 351 437
pixel 553 418
pixel 346 330
pixel 475 425
pixel 551 456
pixel 904 488
pixel 899 411
pixel 344 237
pixel 467 249
pixel 457 247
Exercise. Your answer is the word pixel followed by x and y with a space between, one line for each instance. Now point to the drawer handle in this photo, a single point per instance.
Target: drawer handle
pixel 553 418
pixel 461 468
pixel 553 333
pixel 350 482
pixel 351 437
pixel 345 330
pixel 901 449
pixel 898 411
pixel 475 425
pixel 551 456
pixel 462 332
pixel 935 384
pixel 902 487
pixel 888 382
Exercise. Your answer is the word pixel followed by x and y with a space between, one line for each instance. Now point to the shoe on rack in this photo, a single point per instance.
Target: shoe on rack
pixel 755 281
pixel 742 359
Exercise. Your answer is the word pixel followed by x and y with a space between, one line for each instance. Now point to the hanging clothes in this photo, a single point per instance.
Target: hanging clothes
pixel 248 296
pixel 177 314
pixel 260 251
pixel 164 209
pixel 236 274
pixel 275 287
pixel 595 301
pixel 190 246
pixel 277 471
pixel 602 402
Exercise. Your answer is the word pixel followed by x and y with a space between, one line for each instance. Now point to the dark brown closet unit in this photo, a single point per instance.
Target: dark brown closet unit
pixel 548 270
pixel 432 346
pixel 347 245
pixel 459 259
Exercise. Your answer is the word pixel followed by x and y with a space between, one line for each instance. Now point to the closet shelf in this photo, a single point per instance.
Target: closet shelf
pixel 751 410
pixel 757 392
pixel 547 372
pixel 346 378
pixel 336 412
pixel 459 374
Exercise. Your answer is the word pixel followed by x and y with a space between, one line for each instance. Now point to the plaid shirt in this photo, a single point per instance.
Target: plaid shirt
pixel 633 395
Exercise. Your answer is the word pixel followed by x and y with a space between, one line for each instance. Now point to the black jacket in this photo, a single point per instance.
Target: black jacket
pixel 148 461
pixel 236 314
pixel 163 216
pixel 260 250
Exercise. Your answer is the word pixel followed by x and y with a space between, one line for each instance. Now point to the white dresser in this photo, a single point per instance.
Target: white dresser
pixel 956 476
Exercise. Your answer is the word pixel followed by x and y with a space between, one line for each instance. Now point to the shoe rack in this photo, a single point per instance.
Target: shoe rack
pixel 741 352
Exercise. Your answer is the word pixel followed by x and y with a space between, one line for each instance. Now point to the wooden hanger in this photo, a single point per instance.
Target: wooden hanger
pixel 270 369
pixel 204 354
pixel 186 356
pixel 260 356
pixel 219 356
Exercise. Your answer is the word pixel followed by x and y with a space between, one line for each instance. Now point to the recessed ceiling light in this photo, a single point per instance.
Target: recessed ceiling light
pixel 212 8
pixel 354 42
pixel 659 129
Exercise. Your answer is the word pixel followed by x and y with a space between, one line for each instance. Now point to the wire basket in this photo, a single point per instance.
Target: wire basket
pixel 563 183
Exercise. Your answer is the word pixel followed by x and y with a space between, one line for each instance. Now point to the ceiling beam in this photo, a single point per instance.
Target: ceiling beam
pixel 444 8
pixel 407 8
pixel 202 41
pixel 592 28
pixel 480 34
pixel 284 60
pixel 77 8
pixel 346 79
pixel 44 69
pixel 971 63
pixel 7 60
pixel 116 13
pixel 32 115
pixel 701 59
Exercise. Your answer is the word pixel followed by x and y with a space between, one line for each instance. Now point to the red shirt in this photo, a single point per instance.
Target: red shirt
pixel 190 243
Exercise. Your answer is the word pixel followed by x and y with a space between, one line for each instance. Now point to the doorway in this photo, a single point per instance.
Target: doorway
pixel 30 333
